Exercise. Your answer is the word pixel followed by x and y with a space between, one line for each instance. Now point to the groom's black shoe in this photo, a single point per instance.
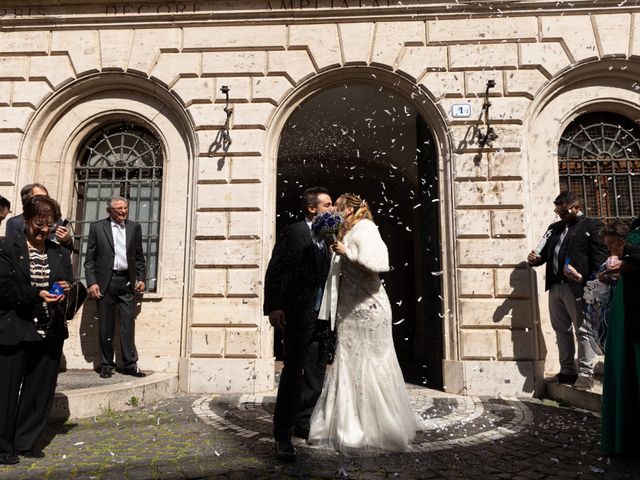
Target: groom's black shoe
pixel 301 433
pixel 285 451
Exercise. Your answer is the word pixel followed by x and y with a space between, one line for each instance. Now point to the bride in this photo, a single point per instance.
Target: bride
pixel 364 405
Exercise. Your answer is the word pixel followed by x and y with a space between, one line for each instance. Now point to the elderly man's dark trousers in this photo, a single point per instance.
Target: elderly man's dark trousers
pixel 117 300
pixel 27 384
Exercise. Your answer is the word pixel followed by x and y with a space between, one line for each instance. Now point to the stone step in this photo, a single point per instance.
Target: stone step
pixel 566 394
pixel 82 393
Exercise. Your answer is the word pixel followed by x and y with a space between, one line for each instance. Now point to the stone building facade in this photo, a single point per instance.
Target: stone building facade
pixel 71 69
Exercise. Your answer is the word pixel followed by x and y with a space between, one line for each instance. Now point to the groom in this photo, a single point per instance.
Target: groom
pixel 292 294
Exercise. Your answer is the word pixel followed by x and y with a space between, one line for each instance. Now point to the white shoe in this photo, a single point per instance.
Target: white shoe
pixel 583 383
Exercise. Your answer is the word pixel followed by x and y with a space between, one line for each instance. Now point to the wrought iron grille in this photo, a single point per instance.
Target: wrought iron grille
pixel 124 160
pixel 599 160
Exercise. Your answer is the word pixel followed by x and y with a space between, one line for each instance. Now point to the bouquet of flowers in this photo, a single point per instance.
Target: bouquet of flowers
pixel 326 226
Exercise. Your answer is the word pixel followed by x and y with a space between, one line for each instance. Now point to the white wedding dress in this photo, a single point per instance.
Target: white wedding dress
pixel 364 405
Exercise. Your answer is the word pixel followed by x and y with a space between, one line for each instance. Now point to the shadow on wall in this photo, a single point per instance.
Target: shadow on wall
pixel 515 311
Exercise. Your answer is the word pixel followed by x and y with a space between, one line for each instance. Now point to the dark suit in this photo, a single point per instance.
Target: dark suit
pixel 29 363
pixel 585 250
pixel 117 288
pixel 294 281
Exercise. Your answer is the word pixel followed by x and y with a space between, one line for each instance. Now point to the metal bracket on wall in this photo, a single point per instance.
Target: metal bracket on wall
pixel 487 138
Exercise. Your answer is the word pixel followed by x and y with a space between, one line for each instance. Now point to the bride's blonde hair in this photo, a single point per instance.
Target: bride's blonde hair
pixel 360 210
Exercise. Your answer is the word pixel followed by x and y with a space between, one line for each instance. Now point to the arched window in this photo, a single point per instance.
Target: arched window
pixel 599 160
pixel 126 160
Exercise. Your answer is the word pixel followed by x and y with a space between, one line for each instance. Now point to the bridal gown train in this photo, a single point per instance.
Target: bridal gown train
pixel 364 405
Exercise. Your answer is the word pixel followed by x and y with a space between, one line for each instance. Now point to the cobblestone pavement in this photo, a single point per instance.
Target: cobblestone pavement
pixel 201 437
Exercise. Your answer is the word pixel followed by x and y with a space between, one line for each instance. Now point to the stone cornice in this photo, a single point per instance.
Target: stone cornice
pixel 25 13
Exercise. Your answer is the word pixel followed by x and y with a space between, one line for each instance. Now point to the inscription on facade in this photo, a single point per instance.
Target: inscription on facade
pixel 319 4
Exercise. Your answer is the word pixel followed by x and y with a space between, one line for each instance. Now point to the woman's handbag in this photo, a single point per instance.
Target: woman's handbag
pixel 75 298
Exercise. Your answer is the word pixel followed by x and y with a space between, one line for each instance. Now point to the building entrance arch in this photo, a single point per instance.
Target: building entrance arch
pixel 370 137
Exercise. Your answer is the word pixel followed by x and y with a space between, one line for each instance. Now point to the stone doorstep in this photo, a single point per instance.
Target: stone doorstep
pixel 131 393
pixel 588 400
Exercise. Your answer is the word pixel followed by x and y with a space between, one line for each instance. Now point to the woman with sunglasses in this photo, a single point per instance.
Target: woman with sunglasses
pixel 35 276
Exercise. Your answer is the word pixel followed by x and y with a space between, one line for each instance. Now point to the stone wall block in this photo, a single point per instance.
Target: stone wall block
pixel 242 342
pixel 31 93
pixel 229 375
pixel 232 196
pixel 271 89
pixel 613 32
pixel 508 223
pixel 505 313
pixel 208 341
pixel 213 169
pixel 635 35
pixel 13 68
pixel 246 169
pixel 25 41
pixel 509 136
pixel 115 48
pixel 234 63
pixel 505 165
pixel 211 224
pixel 207 115
pixel 416 61
pixel 227 252
pixel 576 31
pixel 482 29
pixel 494 378
pixel 244 282
pixel 515 344
pixel 5 93
pixel 472 223
pixel 513 282
pixel 470 166
pixel 500 252
pixel 476 83
pixel 294 64
pixel 194 90
pixel 210 281
pixel 14 118
pixel 225 311
pixel 498 193
pixel 478 344
pixel 82 47
pixel 245 141
pixel 245 224
pixel 239 89
pixel 172 66
pixel 10 144
pixel 444 84
pixel 524 82
pixel 147 44
pixel 56 70
pixel 322 42
pixel 391 37
pixel 252 115
pixel 475 282
pixel 234 37
pixel 8 169
pixel 356 41
pixel 483 56
pixel 551 58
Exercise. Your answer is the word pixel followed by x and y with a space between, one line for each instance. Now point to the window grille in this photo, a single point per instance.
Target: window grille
pixel 124 160
pixel 599 160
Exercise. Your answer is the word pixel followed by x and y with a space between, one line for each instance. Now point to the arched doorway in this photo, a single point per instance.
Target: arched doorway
pixel 368 139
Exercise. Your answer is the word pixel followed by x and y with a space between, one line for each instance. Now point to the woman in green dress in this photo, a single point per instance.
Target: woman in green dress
pixel 620 432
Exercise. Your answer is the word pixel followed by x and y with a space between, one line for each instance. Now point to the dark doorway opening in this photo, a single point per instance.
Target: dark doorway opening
pixel 367 139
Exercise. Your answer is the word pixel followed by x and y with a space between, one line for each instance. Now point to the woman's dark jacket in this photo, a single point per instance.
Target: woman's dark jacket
pixel 18 298
pixel 630 270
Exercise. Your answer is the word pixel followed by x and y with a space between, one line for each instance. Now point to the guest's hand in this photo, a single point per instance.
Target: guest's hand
pixel 572 274
pixel 276 319
pixel 63 235
pixel 139 286
pixel 339 248
pixel 94 291
pixel 533 258
pixel 50 297
pixel 66 286
pixel 613 264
